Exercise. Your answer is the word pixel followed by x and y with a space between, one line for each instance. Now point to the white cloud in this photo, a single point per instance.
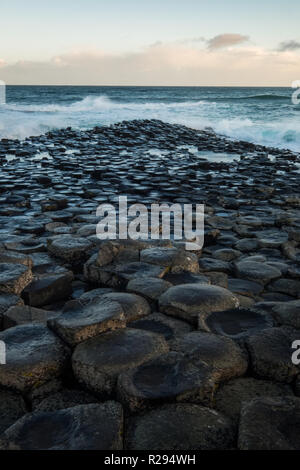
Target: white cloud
pixel 162 64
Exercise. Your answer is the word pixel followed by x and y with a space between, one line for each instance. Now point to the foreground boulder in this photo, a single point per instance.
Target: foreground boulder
pixel 254 271
pixel 118 275
pixel 149 287
pixel 7 301
pixel 34 356
pixel 172 258
pixel 180 427
pixel 270 424
pixel 70 249
pixel 83 427
pixel 162 324
pixel 24 314
pixel 14 277
pixel 98 361
pixel 65 399
pixel 230 397
pixel 237 323
pixel 134 306
pixel 12 407
pixel 271 354
pixel 223 355
pixel 170 377
pixel 48 288
pixel 79 322
pixel 189 300
pixel 287 313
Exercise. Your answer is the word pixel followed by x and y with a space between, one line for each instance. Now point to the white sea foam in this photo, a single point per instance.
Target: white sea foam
pixel 23 120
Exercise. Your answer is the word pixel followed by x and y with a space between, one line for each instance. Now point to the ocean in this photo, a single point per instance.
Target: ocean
pixel 264 116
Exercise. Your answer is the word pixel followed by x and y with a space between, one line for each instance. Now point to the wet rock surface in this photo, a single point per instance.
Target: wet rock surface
pixel 12 407
pixel 170 377
pixel 190 300
pixel 238 323
pixel 180 427
pixel 270 424
pixel 223 355
pixel 83 427
pixel 271 354
pixel 234 394
pixel 98 362
pixel 34 355
pixel 79 322
pixel 241 289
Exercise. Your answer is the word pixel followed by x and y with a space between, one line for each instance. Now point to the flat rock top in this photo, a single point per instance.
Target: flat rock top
pixel 11 271
pixel 69 243
pixel 195 299
pixel 97 310
pixel 29 343
pixel 222 354
pixel 34 355
pixel 236 323
pixel 170 376
pixel 180 427
pixel 8 300
pixel 255 271
pixel 119 350
pixel 83 427
pixel 270 424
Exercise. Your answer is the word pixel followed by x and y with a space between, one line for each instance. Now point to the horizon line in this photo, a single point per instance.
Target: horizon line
pixel 151 86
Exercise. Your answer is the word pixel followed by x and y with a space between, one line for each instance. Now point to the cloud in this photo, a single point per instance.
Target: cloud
pixel 226 40
pixel 289 46
pixel 161 64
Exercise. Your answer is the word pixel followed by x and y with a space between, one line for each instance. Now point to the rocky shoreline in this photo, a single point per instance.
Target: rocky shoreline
pixel 141 345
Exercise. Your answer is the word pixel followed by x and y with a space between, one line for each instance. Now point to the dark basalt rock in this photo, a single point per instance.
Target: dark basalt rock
pixel 149 287
pixel 70 249
pixel 223 355
pixel 24 314
pixel 180 427
pixel 270 424
pixel 251 247
pixel 231 396
pixel 65 399
pixel 176 260
pixel 170 377
pixel 12 407
pixel 34 355
pixel 271 354
pixel 177 279
pixel 237 323
pixel 48 288
pixel 95 293
pixel 189 300
pixel 98 361
pixel 162 324
pixel 244 287
pixel 217 265
pixel 7 301
pixel 112 275
pixel 257 272
pixel 134 306
pixel 287 313
pixel 14 277
pixel 79 322
pixel 7 256
pixel 83 427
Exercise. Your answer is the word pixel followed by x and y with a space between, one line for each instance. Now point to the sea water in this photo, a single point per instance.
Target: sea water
pixel 264 116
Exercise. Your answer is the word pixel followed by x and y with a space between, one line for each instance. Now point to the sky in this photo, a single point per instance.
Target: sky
pixel 157 42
